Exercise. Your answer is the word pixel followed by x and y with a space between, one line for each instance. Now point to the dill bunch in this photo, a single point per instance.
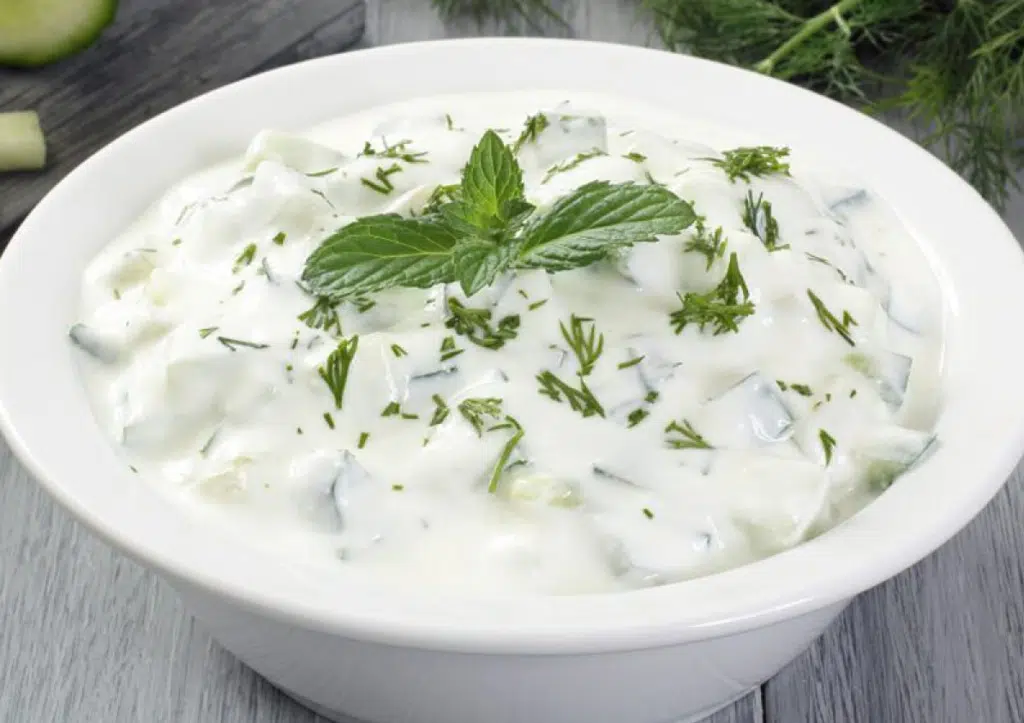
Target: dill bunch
pixel 533 12
pixel 955 67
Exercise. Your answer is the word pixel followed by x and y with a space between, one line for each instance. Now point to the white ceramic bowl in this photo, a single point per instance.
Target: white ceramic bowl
pixel 651 656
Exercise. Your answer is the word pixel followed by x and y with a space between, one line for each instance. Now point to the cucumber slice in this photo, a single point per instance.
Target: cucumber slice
pixel 37 32
pixel 22 145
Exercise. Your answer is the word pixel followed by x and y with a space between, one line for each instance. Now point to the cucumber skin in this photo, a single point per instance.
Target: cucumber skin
pixel 75 43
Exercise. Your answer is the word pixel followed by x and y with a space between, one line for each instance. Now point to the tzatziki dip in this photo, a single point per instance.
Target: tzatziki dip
pixel 515 343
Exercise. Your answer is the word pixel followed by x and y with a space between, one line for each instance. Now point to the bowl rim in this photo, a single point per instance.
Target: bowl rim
pixel 929 505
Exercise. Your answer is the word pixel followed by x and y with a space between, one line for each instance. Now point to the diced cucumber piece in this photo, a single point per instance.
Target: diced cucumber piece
pixel 86 339
pixel 313 480
pixel 888 370
pixel 37 32
pixel 567 133
pixel 22 144
pixel 532 487
pixel 890 452
pixel 292 151
pixel 228 485
pixel 750 413
pixel 349 475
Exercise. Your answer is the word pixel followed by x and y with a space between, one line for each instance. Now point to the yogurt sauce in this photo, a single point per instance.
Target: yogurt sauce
pixel 714 449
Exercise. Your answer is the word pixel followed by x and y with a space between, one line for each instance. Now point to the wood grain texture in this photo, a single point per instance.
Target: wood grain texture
pixel 157 54
pixel 88 637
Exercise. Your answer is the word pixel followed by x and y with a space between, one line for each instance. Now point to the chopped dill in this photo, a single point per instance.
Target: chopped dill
pixel 710 244
pixel 382 184
pixel 758 217
pixel 244 259
pixel 233 344
pixel 441 410
pixel 571 163
pixel 323 315
pixel 335 370
pixel 398 151
pixel 720 308
pixel 586 344
pixel 688 437
pixel 830 321
pixel 747 161
pixel 828 444
pixel 532 128
pixel 475 325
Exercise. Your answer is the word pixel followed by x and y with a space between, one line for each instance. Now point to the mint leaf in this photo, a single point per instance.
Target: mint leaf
pixel 491 181
pixel 478 263
pixel 582 227
pixel 379 252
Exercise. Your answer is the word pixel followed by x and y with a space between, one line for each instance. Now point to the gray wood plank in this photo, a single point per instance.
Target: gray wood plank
pixel 156 55
pixel 941 643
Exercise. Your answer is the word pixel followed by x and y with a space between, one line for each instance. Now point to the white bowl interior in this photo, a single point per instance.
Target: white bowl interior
pixel 46 418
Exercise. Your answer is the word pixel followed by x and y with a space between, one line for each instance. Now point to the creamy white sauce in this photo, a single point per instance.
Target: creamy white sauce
pixel 238 432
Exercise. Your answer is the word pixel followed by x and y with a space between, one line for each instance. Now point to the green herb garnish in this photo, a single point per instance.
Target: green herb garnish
pixel 631 363
pixel 363 304
pixel 571 163
pixel 203 333
pixel 757 216
pixel 233 344
pixel 532 128
pixel 398 351
pixel 636 416
pixel 580 399
pixel 475 325
pixel 323 315
pixel 747 161
pixel 820 260
pixel 536 305
pixel 392 409
pixel 364 437
pixel 720 308
pixel 686 436
pixel 489 228
pixel 441 410
pixel 476 409
pixel 448 348
pixel 382 184
pixel 830 321
pixel 329 419
pixel 828 444
pixel 244 259
pixel 398 150
pixel 710 244
pixel 648 513
pixel 635 157
pixel 586 344
pixel 279 238
pixel 335 370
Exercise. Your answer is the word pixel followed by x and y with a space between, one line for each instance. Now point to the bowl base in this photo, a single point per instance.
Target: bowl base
pixel 342 718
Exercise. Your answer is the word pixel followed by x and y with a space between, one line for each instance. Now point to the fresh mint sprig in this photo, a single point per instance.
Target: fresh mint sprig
pixel 485 227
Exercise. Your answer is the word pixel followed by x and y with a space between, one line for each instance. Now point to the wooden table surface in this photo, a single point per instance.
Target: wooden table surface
pixel 86 636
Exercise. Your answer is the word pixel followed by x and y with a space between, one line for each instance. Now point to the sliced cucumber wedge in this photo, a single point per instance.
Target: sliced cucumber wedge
pixel 22 145
pixel 37 32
